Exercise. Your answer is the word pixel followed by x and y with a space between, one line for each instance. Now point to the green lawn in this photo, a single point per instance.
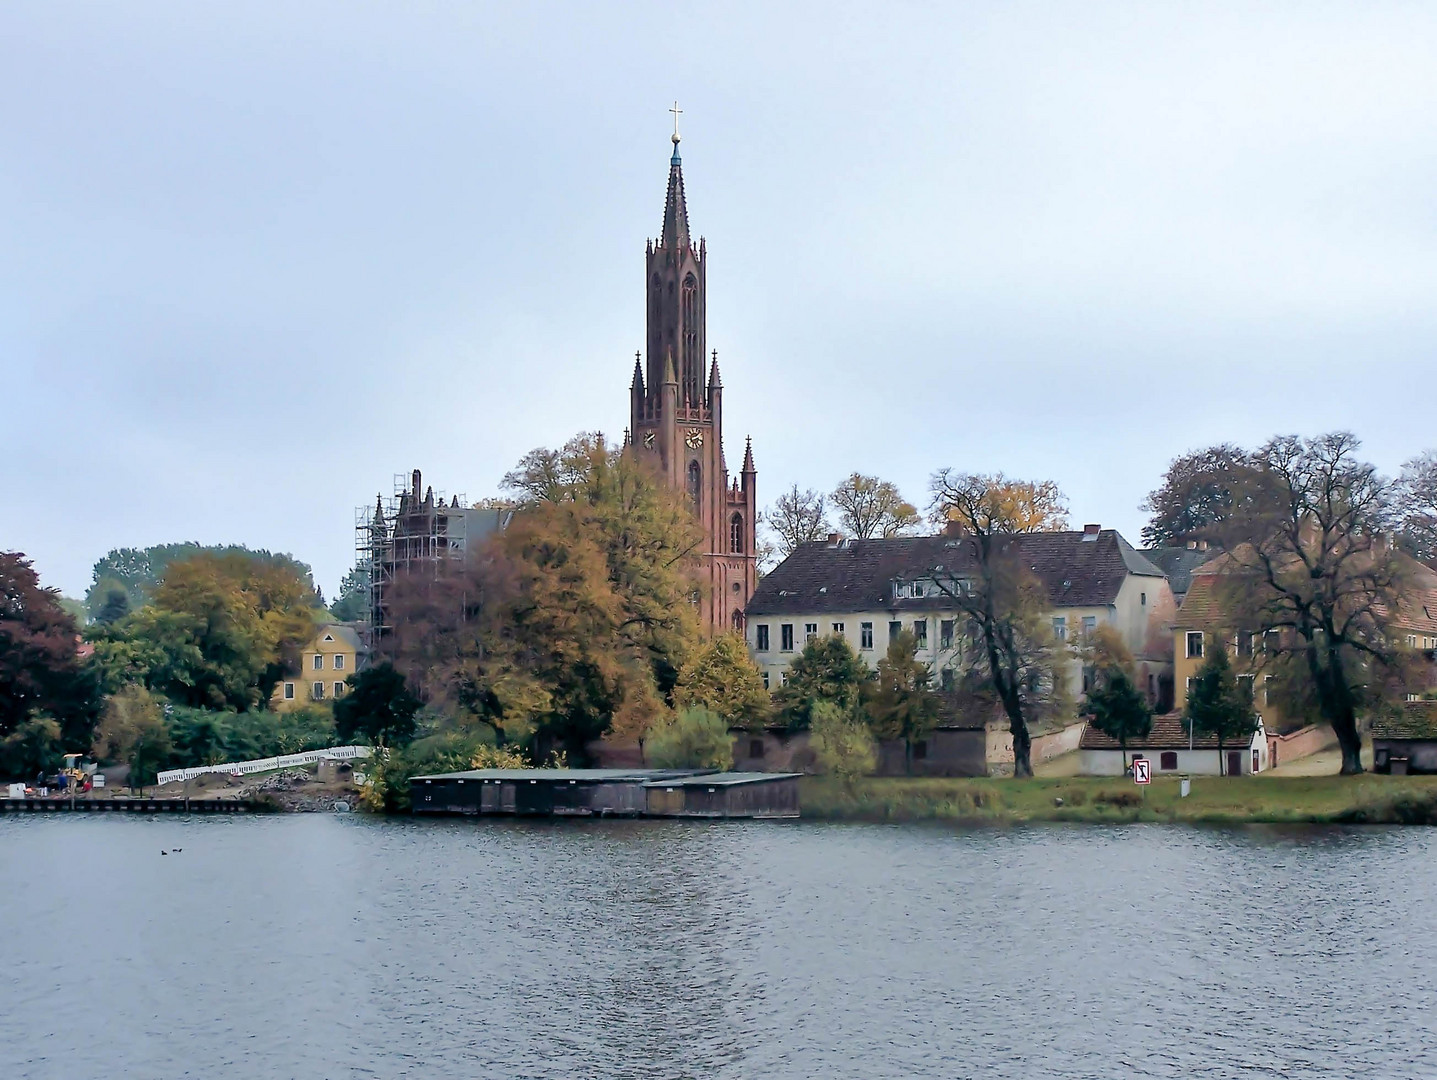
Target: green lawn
pixel 1320 799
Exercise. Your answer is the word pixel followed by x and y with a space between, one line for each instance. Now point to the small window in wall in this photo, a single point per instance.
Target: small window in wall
pixel 945 634
pixel 1266 689
pixel 810 632
pixel 289 691
pixel 1060 628
pixel 317 691
pixel 920 631
pixel 838 629
pixel 339 689
pixel 1271 641
pixel 1090 623
pixel 920 750
pixel 783 677
pixel 1143 599
pixel 765 680
pixel 319 661
pixel 339 661
pixel 1256 761
pixel 1168 760
pixel 785 637
pixel 945 678
pixel 894 629
pixel 760 637
pixel 865 635
pixel 735 534
pixel 755 748
pixel 1244 643
pixel 1194 643
pixel 1152 688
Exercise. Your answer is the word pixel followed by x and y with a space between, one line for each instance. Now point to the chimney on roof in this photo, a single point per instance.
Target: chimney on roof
pixel 1090 532
pixel 952 528
pixel 834 538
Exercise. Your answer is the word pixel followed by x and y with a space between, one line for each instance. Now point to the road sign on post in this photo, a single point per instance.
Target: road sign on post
pixel 1142 771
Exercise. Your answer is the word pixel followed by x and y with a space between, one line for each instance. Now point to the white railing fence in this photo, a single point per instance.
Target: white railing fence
pixel 240 768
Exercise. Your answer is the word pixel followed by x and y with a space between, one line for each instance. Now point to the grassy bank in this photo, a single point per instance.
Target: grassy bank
pixel 1274 800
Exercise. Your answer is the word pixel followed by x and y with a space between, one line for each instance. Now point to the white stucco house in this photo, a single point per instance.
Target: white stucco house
pixel 1173 750
pixel 867 591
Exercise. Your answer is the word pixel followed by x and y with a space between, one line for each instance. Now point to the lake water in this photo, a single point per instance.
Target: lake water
pixel 342 946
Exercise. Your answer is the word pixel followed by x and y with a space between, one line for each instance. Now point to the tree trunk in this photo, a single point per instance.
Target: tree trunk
pixel 1022 745
pixel 1345 728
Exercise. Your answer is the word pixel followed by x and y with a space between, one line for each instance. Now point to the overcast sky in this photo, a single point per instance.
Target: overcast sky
pixel 255 259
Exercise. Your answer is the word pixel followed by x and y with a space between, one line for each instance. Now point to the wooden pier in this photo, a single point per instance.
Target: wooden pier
pixel 78 805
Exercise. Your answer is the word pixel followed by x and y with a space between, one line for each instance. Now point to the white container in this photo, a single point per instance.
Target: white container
pixel 17 791
pixel 98 780
pixel 1187 787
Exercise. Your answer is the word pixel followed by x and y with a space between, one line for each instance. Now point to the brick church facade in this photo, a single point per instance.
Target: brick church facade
pixel 676 413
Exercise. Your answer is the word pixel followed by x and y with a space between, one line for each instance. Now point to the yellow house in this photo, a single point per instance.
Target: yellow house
pixel 329 659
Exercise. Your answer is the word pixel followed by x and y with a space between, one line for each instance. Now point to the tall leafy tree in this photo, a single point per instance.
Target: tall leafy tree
pixel 1015 659
pixel 1199 492
pixel 796 518
pixel 40 671
pixel 869 507
pixel 352 603
pixel 139 570
pixel 1119 710
pixel 1417 507
pixel 1217 705
pixel 379 708
pixel 723 678
pixel 1308 555
pixel 903 704
pixel 826 671
pixel 133 731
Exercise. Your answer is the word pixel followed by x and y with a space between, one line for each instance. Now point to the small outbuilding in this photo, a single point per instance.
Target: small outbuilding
pixel 1406 742
pixel 1173 749
pixel 724 795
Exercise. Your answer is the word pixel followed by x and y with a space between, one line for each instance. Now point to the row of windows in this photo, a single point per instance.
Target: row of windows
pixel 316 691
pixel 318 662
pixel 1251 681
pixel 946 629
pixel 1060 626
pixel 1245 642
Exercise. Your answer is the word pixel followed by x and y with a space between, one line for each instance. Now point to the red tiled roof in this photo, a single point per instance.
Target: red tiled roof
pixel 1170 732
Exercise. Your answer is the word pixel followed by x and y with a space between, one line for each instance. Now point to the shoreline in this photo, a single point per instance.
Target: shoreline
pixel 1309 800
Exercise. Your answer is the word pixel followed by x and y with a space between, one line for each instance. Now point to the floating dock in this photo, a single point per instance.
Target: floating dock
pixel 81 805
pixel 608 793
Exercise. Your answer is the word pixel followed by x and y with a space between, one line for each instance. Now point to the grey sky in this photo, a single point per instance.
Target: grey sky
pixel 255 259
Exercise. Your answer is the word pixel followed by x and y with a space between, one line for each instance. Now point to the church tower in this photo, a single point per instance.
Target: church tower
pixel 676 411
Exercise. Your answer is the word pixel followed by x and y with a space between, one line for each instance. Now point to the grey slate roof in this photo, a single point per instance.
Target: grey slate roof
pixel 724 779
pixel 1418 720
pixel 588 776
pixel 857 575
pixel 1178 563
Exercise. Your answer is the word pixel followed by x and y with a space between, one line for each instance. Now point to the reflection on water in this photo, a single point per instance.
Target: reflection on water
pixel 319 946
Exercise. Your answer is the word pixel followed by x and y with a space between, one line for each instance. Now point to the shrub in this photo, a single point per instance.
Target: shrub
pixel 695 738
pixel 842 744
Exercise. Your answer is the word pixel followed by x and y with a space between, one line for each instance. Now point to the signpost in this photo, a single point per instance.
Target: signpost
pixel 1142 771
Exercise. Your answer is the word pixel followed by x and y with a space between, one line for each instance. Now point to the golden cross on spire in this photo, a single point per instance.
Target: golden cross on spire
pixel 676 111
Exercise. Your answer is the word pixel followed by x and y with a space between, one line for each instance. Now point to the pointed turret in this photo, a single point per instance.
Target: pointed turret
pixel 429 498
pixel 676 211
pixel 714 381
pixel 638 383
pixel 670 377
pixel 748 468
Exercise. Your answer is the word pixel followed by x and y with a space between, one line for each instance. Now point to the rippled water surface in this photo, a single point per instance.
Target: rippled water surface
pixel 340 946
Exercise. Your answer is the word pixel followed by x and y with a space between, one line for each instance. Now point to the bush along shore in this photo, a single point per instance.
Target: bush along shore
pixel 1324 800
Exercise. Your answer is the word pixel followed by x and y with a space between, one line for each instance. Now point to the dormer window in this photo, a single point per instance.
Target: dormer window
pixel 917 590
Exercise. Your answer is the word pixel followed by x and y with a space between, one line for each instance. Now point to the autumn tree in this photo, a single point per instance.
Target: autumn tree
pixel 796 518
pixel 1308 555
pixel 1217 704
pixel 903 704
pixel 1015 657
pixel 869 507
pixel 220 631
pixel 1118 710
pixel 575 622
pixel 826 671
pixel 40 671
pixel 1200 490
pixel 132 731
pixel 139 570
pixel 842 744
pixel 723 678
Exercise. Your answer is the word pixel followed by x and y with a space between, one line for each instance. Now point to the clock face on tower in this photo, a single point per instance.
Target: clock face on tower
pixel 649 439
pixel 694 439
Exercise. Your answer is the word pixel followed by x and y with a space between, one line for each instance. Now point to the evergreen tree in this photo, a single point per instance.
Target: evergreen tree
pixel 379 707
pixel 1217 705
pixel 1119 711
pixel 828 670
pixel 903 704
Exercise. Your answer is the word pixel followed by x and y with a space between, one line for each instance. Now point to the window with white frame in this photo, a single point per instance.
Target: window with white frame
pixel 945 634
pixel 289 691
pixel 760 637
pixel 1090 623
pixel 810 632
pixel 917 590
pixel 785 637
pixel 339 661
pixel 838 629
pixel 1060 627
pixel 339 689
pixel 1194 644
pixel 865 635
pixel 319 661
pixel 765 680
pixel 920 631
pixel 317 691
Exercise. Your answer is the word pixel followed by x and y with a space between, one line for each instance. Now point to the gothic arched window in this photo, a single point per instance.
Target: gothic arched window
pixel 692 361
pixel 695 485
pixel 738 620
pixel 735 534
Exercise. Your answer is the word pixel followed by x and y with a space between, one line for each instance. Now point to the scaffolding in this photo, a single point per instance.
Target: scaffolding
pixel 402 534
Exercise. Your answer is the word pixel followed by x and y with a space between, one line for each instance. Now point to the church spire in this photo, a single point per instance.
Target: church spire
pixel 676 211
pixel 714 380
